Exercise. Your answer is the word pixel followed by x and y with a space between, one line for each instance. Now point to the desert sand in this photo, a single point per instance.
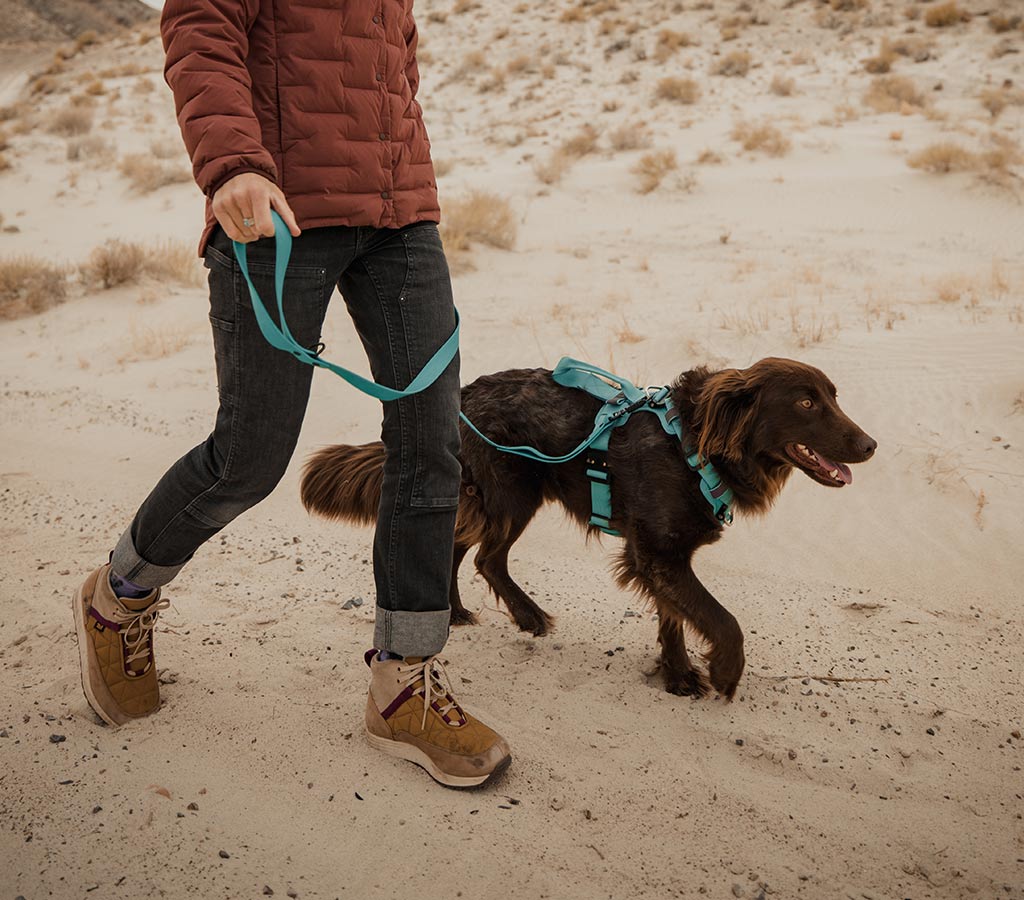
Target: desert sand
pixel 874 748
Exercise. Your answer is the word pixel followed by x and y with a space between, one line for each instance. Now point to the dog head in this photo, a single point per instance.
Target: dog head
pixel 782 411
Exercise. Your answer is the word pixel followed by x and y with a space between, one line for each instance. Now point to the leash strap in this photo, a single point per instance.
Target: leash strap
pixel 283 339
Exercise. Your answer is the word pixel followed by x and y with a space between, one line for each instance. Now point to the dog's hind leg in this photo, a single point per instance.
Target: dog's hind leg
pixel 460 615
pixel 492 562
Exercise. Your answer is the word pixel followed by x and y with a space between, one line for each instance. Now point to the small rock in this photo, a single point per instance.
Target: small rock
pixel 737 890
pixel 930 731
pixel 628 614
pixel 180 815
pixel 1014 734
pixel 223 854
pixel 57 738
pixel 293 894
pixel 3 732
pixel 792 754
pixel 268 890
pixel 193 806
pixel 96 809
pixel 739 742
pixel 352 603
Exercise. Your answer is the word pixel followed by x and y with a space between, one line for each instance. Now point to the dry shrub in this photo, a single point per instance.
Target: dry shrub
pixel 652 168
pixel 443 166
pixel 117 262
pixel 30 284
pixel 630 137
pixel 1001 23
pixel 849 5
pixel 946 14
pixel 678 90
pixel 943 158
pixel 85 39
pixel 147 174
pixel 709 157
pixel 782 86
pixel 553 169
pixel 71 120
pixel 92 146
pixel 762 137
pixel 582 143
pixel 894 93
pixel 5 163
pixel 154 343
pixel 919 49
pixel 471 64
pixel 669 42
pixel 994 100
pixel 881 64
pixel 479 217
pixel 735 64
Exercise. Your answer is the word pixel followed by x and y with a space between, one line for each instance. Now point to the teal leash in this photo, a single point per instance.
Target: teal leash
pixel 621 397
pixel 283 339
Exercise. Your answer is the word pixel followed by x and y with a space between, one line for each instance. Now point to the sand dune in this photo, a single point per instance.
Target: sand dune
pixel 874 748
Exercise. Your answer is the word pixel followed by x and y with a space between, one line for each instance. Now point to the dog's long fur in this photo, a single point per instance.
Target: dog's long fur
pixel 750 423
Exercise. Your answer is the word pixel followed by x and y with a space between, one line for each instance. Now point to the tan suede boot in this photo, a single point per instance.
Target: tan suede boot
pixel 410 713
pixel 115 648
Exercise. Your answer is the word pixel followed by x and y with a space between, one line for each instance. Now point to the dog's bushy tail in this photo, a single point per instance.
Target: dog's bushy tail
pixel 344 482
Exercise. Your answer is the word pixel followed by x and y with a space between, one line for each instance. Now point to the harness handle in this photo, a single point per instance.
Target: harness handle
pixel 282 338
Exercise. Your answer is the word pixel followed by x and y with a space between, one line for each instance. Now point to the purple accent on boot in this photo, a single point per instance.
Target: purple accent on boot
pixel 387 654
pixel 122 587
pixel 113 626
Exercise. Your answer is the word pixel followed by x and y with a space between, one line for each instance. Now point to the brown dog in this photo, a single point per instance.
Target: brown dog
pixel 755 425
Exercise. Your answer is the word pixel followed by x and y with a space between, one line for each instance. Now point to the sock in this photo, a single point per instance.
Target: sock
pixel 122 587
pixel 387 654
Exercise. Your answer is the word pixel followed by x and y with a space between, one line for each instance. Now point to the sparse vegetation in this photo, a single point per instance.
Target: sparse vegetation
pixel 652 168
pixel 147 174
pixel 479 217
pixel 943 158
pixel 1000 23
pixel 761 137
pixel 71 120
pixel 735 64
pixel 946 14
pixel 30 284
pixel 782 86
pixel 118 262
pixel 630 136
pixel 882 63
pixel 669 42
pixel 894 93
pixel 678 90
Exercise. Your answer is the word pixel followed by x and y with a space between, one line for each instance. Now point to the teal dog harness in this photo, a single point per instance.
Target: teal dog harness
pixel 621 397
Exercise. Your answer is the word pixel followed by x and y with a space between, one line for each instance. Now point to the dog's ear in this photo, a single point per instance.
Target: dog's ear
pixel 725 413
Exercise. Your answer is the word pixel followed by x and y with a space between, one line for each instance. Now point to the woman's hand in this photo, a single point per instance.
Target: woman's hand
pixel 250 196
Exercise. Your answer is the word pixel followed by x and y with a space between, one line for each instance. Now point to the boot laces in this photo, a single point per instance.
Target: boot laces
pixel 436 681
pixel 140 625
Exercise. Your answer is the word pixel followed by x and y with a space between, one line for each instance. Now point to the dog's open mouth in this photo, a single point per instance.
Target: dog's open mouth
pixel 822 470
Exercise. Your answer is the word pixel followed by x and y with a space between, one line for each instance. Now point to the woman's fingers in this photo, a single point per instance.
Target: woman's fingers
pixel 248 197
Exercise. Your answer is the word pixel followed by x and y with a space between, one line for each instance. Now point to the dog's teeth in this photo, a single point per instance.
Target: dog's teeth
pixel 834 473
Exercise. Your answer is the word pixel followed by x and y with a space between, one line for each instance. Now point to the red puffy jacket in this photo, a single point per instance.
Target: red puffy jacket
pixel 319 98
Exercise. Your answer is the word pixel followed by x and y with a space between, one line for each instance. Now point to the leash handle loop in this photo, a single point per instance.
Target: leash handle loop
pixel 282 338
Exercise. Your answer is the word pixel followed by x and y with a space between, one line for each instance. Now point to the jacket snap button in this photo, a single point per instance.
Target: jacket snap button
pixel 380 76
pixel 385 194
pixel 383 136
pixel 376 20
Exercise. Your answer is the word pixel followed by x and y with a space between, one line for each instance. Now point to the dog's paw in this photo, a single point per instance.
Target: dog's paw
pixel 725 676
pixel 686 684
pixel 463 617
pixel 537 623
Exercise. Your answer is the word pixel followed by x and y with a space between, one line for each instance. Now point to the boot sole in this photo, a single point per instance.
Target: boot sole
pixel 87 664
pixel 402 750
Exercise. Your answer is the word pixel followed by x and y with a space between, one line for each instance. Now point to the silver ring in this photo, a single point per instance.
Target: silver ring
pixel 248 223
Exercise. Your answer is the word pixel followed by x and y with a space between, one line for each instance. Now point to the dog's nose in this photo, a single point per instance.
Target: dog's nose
pixel 867 446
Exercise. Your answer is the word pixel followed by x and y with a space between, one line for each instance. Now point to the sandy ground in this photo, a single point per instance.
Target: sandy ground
pixel 906 287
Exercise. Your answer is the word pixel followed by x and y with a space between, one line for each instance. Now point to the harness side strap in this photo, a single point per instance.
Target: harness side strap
pixel 282 338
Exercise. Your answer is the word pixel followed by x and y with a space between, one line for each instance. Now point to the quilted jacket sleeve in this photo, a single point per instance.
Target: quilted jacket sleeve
pixel 206 43
pixel 412 71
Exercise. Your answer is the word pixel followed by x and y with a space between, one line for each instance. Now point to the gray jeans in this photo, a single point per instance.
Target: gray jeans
pixel 397 289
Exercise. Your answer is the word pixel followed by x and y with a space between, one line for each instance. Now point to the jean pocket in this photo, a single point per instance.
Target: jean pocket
pixel 224 356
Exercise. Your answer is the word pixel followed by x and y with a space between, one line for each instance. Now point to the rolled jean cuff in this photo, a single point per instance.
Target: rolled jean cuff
pixel 411 633
pixel 126 562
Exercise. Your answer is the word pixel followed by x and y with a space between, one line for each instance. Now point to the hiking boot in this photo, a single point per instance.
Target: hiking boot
pixel 115 648
pixel 410 713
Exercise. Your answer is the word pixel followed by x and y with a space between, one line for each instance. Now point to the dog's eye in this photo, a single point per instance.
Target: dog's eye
pixel 807 403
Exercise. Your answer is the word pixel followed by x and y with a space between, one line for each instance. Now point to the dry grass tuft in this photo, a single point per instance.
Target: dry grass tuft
pixel 762 137
pixel 652 168
pixel 881 64
pixel 678 90
pixel 630 136
pixel 995 100
pixel 894 93
pixel 154 343
pixel 669 42
pixel 147 174
pixel 1001 23
pixel 479 217
pixel 117 262
pixel 735 64
pixel 582 143
pixel 29 285
pixel 71 120
pixel 782 86
pixel 943 158
pixel 945 15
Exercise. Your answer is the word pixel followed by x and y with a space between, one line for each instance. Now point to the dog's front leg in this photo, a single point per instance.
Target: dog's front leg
pixel 680 596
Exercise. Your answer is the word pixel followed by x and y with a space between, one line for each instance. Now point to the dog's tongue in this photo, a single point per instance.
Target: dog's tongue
pixel 842 470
